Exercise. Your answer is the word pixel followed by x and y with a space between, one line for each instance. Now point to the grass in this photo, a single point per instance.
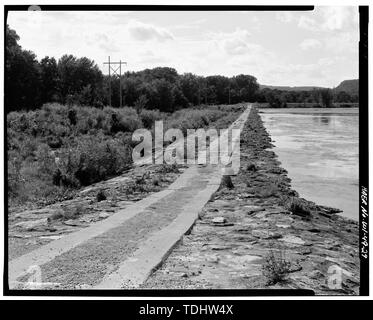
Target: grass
pixel 68 213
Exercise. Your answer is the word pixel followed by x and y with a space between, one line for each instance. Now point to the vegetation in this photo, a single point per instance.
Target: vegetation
pixel 297 206
pixel 57 149
pixel 276 267
pixel 321 97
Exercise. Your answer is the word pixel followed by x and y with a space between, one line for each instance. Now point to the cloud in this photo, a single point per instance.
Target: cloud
pixel 102 41
pixel 148 57
pixel 307 23
pixel 196 24
pixel 337 18
pixel 346 42
pixel 143 32
pixel 284 16
pixel 307 44
pixel 235 43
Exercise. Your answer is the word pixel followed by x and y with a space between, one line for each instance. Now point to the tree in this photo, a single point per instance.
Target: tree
pixel 164 98
pixel 247 87
pixel 190 86
pixel 22 75
pixel 218 89
pixel 76 76
pixel 49 80
pixel 326 97
pixel 180 101
pixel 343 96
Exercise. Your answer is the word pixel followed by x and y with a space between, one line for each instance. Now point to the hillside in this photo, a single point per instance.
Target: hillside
pixel 349 86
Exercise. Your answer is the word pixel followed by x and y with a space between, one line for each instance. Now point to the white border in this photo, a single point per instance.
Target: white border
pixel 172 2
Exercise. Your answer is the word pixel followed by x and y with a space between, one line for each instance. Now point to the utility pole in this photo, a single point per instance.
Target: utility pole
pixel 115 72
pixel 229 94
pixel 206 93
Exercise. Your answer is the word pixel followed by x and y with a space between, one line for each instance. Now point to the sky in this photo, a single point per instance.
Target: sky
pixel 316 48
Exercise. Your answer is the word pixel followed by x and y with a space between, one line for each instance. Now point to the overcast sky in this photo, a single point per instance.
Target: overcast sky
pixel 318 47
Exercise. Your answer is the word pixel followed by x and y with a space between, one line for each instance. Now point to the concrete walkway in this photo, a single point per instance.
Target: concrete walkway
pixel 123 250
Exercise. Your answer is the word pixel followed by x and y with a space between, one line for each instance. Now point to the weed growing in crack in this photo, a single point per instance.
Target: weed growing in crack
pixel 276 268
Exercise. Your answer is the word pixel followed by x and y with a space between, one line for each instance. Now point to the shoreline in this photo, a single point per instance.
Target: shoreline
pixel 323 111
pixel 255 221
pixel 320 152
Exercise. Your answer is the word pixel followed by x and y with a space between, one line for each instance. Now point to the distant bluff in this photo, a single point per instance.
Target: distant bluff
pixel 349 86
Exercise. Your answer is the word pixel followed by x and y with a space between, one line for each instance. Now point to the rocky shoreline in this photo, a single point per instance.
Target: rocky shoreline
pixel 259 224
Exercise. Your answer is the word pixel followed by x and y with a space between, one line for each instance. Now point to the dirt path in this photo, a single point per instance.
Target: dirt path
pixel 122 250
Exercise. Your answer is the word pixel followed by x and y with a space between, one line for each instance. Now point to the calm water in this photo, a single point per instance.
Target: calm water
pixel 320 150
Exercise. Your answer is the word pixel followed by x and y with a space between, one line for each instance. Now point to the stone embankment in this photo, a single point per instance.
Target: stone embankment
pixel 260 217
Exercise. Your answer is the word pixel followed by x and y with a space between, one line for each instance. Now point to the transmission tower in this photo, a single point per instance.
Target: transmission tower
pixel 113 66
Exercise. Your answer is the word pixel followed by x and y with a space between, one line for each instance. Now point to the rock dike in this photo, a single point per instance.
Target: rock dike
pixel 256 233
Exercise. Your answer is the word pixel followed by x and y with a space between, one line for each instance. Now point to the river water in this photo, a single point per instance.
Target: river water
pixel 320 150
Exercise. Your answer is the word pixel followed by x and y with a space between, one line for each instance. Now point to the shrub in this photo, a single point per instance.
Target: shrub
pixel 101 196
pixel 227 182
pixel 297 206
pixel 156 180
pixel 92 160
pixel 122 120
pixel 275 267
pixel 269 191
pixel 251 167
pixel 168 168
pixel 68 213
pixel 148 117
pixel 14 174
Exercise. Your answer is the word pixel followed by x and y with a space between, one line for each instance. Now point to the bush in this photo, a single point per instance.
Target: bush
pixel 275 267
pixel 148 117
pixel 92 160
pixel 297 206
pixel 58 148
pixel 101 196
pixel 168 168
pixel 122 120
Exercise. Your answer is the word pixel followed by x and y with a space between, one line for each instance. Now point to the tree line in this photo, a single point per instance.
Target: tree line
pixel 324 97
pixel 70 80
